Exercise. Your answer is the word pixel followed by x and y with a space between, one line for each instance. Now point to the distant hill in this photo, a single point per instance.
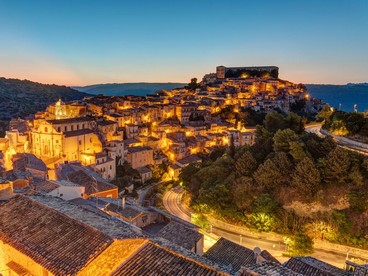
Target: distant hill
pixel 20 98
pixel 120 89
pixel 347 95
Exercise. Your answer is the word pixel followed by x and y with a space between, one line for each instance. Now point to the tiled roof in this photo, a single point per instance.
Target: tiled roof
pixel 91 185
pixel 78 132
pixel 156 260
pixel 266 268
pixel 361 270
pixel 69 120
pixel 106 123
pixel 138 149
pixel 127 212
pixel 233 255
pixel 180 234
pixel 60 244
pixel 28 160
pixel 143 170
pixel 189 159
pixel 101 221
pixel 313 267
pixel 46 187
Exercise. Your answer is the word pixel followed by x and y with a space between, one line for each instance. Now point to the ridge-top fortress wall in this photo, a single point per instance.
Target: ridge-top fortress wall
pixel 250 71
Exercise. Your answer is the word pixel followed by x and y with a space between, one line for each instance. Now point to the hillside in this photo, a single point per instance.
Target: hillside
pixel 118 89
pixel 288 182
pixel 347 95
pixel 23 98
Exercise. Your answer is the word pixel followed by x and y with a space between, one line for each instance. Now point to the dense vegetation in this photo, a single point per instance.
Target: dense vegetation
pixel 351 124
pixel 289 182
pixel 21 98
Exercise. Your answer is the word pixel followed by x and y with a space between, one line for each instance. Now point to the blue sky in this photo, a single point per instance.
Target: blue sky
pixel 86 42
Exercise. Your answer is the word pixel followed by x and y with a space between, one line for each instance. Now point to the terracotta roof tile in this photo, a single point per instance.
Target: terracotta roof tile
pixel 180 234
pixel 155 260
pixel 90 216
pixel 266 268
pixel 233 255
pixel 91 185
pixel 57 242
pixel 313 267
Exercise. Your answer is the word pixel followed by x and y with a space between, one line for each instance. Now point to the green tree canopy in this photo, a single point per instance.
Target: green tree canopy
pixel 246 164
pixel 337 166
pixel 299 245
pixel 283 138
pixel 306 177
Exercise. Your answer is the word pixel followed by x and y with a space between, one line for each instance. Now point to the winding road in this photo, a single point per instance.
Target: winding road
pixel 341 141
pixel 172 201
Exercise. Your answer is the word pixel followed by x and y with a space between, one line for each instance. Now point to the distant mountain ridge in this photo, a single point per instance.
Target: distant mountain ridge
pixel 120 89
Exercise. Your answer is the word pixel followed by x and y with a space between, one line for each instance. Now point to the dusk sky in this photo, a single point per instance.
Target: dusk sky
pixel 89 42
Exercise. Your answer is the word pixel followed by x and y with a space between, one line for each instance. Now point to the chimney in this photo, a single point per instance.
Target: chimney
pixel 257 254
pixel 6 189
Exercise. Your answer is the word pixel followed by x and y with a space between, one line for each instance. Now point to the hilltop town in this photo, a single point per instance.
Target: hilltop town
pixel 170 127
pixel 68 175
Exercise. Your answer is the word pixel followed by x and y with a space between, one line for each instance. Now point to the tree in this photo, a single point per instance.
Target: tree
pixel 283 138
pixel 188 172
pixel 358 200
pixel 232 147
pixel 201 221
pixel 268 175
pixel 325 113
pixel 295 122
pixel 274 121
pixel 299 245
pixel 337 166
pixel 246 164
pixel 193 85
pixel 306 177
pixel 283 163
pixel 318 147
pixel 297 151
pixel 354 122
pixel 244 192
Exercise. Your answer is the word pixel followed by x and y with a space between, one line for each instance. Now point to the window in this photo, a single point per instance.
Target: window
pixel 46 129
pixel 59 129
pixel 72 127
